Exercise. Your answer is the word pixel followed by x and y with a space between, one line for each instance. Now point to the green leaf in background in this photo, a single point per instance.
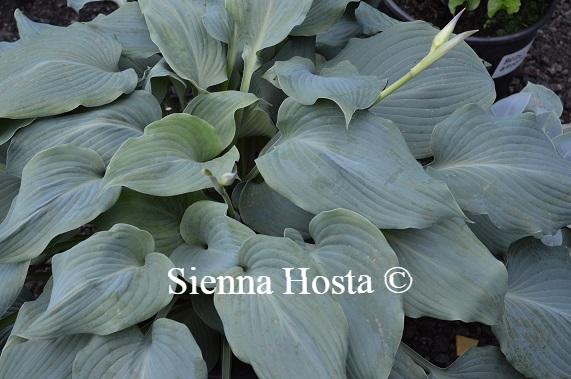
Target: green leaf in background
pixel 510 6
pixel 307 332
pixel 176 28
pixel 41 359
pixel 469 4
pixel 160 216
pixel 60 191
pixel 105 284
pixel 12 277
pixel 87 58
pixel 219 108
pixel 341 83
pixel 167 351
pixel 457 79
pixel 169 158
pixel 321 16
pixel 535 327
pixel 347 242
pixel 506 168
pixel 319 165
pixel 211 240
pixel 447 253
pixel 268 212
pixel 101 129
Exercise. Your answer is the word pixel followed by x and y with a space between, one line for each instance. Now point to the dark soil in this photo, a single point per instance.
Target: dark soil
pixel 549 64
pixel 437 12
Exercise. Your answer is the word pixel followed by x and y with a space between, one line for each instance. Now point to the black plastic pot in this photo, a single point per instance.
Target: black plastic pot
pixel 505 53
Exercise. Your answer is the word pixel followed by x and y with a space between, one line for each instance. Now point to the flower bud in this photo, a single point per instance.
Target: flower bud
pixel 444 35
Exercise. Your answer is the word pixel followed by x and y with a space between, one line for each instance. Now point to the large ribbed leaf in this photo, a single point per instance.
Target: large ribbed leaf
pixel 176 28
pixel 372 20
pixel 268 212
pixel 218 109
pixel 506 168
pixel 347 242
pixel 9 187
pixel 405 367
pixel 496 240
pixel 457 79
pixel 111 281
pixel 211 240
pixel 321 16
pixel 331 42
pixel 169 158
pixel 455 276
pixel 159 78
pixel 9 127
pixel 60 191
pixel 160 216
pixel 341 83
pixel 65 68
pixel 24 359
pixel 12 277
pixel 307 332
pixel 319 165
pixel 534 331
pixel 102 129
pixel 28 28
pixel 167 351
pixel 128 25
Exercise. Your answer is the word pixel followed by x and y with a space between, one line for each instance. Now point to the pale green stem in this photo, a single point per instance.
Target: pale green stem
pixel 250 65
pixel 222 192
pixel 226 359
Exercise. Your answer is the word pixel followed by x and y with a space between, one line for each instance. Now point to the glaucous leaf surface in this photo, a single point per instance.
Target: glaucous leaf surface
pixel 176 28
pixel 167 351
pixel 506 168
pixel 347 242
pixel 457 79
pixel 61 190
pixel 211 240
pixel 535 327
pixel 217 21
pixel 405 367
pixel 105 284
pixel 321 16
pixel 101 129
pixel 169 158
pixel 9 187
pixel 78 4
pixel 219 108
pixel 331 42
pixel 28 28
pixel 12 277
pixel 301 80
pixel 9 127
pixel 160 216
pixel 372 20
pixel 309 332
pixel 319 165
pixel 86 58
pixel 268 212
pixel 446 253
pixel 26 359
pixel 496 240
pixel 159 78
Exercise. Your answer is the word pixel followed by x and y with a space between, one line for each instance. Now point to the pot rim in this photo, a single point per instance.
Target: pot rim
pixel 487 40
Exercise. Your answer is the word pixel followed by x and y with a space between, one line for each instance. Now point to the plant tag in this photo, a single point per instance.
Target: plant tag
pixel 511 62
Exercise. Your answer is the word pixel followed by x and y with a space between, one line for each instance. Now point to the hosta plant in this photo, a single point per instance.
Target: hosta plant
pixel 174 142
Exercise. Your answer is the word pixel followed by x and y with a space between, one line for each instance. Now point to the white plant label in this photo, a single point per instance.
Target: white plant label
pixel 511 61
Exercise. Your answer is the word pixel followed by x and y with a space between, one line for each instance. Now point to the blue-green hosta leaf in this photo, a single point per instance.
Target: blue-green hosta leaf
pixel 543 99
pixel 28 28
pixel 341 83
pixel 9 187
pixel 319 165
pixel 105 284
pixel 457 79
pixel 258 24
pixel 217 21
pixel 211 239
pixel 268 212
pixel 218 109
pixel 12 277
pixel 331 42
pixel 159 78
pixel 60 191
pixel 160 216
pixel 256 121
pixel 78 4
pixel 346 241
pixel 128 25
pixel 506 168
pixel 9 127
pixel 405 366
pixel 308 332
pixel 65 68
pixel 176 28
pixel 24 359
pixel 534 331
pixel 169 158
pixel 167 351
pixel 321 16
pixel 101 129
pixel 447 253
pixel 372 20
pixel 496 240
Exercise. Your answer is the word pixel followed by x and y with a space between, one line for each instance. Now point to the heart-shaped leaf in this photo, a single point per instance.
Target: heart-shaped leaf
pixel 367 169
